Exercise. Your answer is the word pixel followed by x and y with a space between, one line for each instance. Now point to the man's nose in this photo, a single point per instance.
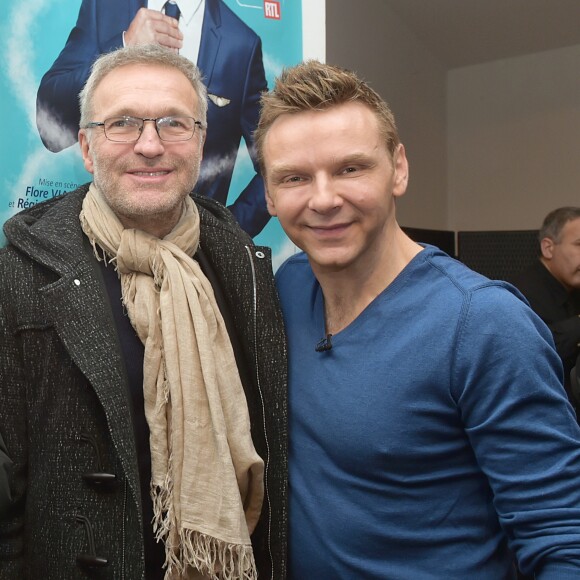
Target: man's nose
pixel 325 195
pixel 149 143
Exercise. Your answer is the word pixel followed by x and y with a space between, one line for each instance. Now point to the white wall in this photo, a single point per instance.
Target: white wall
pixel 492 146
pixel 367 37
pixel 513 140
pixel 314 29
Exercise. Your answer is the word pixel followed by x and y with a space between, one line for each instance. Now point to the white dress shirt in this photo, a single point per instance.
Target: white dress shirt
pixel 190 24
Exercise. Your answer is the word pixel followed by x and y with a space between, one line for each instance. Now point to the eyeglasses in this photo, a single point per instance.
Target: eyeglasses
pixel 128 129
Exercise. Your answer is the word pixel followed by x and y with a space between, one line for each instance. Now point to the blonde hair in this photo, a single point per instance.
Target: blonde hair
pixel 314 86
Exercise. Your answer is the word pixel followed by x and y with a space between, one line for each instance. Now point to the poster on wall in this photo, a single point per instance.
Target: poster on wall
pixel 48 49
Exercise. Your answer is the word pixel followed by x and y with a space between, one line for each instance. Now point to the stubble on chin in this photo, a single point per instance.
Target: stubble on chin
pixel 140 200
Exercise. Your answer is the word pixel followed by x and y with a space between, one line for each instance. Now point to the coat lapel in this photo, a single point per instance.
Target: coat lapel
pixel 77 305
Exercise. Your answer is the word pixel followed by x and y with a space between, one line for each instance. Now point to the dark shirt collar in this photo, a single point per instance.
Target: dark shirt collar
pixel 558 291
pixel 556 288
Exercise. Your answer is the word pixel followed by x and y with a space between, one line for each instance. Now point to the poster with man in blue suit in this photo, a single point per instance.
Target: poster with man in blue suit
pixel 239 45
pixel 228 52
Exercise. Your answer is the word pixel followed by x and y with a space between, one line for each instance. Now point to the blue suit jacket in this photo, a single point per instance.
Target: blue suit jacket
pixel 230 59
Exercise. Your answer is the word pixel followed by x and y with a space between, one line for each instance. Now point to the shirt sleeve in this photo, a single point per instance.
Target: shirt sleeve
pixel 507 383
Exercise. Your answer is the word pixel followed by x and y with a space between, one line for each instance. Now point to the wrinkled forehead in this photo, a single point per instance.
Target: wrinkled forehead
pixel 145 89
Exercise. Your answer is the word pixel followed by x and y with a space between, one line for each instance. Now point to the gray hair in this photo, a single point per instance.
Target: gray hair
pixel 555 221
pixel 140 54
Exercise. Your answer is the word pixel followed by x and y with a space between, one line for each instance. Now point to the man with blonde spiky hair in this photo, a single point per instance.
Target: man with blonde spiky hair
pixel 430 435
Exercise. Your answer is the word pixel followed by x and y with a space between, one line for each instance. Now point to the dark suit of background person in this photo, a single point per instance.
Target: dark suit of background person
pixel 230 58
pixel 552 284
pixel 557 307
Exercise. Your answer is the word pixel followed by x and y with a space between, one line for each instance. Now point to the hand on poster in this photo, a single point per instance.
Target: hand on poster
pixel 153 27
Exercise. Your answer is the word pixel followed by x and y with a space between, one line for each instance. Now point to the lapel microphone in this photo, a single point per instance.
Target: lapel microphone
pixel 324 344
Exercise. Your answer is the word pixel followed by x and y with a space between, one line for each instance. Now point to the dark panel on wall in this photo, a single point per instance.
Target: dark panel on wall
pixel 499 255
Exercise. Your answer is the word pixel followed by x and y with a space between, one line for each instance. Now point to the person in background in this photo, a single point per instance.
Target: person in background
pixel 228 53
pixel 142 355
pixel 430 434
pixel 552 284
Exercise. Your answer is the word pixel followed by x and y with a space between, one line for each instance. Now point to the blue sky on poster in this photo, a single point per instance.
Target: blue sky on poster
pixel 31 40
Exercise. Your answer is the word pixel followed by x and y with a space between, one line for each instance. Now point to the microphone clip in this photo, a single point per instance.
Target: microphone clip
pixel 325 344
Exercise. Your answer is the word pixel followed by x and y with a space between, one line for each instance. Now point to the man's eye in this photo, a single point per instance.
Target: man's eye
pixel 177 123
pixel 121 123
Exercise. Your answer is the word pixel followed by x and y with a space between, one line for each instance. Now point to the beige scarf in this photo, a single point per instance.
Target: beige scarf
pixel 207 479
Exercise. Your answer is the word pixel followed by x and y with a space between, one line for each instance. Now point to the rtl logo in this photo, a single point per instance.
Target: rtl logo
pixel 272 9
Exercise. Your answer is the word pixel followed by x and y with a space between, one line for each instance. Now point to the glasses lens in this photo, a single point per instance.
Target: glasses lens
pixel 123 128
pixel 176 128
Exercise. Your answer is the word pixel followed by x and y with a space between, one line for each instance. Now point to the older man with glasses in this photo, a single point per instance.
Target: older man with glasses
pixel 142 355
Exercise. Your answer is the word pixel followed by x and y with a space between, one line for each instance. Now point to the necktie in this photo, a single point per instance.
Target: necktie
pixel 172 9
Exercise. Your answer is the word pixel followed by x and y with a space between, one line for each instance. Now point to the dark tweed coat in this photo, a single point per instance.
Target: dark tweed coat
pixel 64 403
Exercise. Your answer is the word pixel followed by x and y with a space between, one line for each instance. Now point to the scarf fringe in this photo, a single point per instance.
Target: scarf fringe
pixel 162 494
pixel 216 559
pixel 163 515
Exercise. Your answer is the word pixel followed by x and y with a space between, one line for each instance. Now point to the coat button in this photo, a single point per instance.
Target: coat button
pixel 101 481
pixel 90 561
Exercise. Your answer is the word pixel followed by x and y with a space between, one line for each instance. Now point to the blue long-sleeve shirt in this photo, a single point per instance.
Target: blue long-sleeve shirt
pixel 434 439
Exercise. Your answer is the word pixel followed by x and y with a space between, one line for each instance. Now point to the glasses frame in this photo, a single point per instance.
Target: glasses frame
pixel 143 120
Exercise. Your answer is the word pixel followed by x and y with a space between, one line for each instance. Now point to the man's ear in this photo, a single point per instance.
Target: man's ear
pixel 547 247
pixel 86 150
pixel 270 202
pixel 401 169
